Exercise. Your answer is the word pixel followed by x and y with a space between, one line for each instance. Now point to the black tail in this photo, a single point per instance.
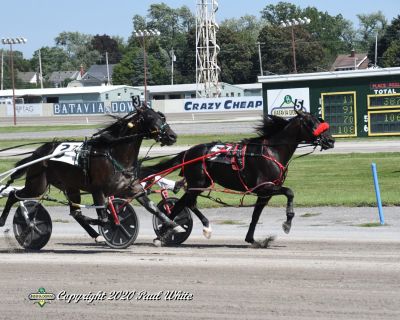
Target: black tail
pixel 164 165
pixel 42 151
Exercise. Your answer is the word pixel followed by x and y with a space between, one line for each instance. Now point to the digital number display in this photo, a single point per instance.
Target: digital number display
pixel 381 123
pixel 384 101
pixel 339 110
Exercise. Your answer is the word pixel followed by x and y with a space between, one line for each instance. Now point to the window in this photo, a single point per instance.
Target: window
pixel 106 96
pixel 232 94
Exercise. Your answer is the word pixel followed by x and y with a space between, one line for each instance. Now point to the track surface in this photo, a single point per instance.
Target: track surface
pixel 329 267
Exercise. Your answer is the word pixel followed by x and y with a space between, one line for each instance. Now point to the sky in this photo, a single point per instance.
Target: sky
pixel 41 21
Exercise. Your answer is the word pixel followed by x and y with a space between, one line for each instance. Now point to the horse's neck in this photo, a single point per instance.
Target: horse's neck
pixel 127 153
pixel 284 143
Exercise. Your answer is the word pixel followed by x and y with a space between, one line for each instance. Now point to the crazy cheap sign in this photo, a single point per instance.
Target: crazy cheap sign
pixel 223 104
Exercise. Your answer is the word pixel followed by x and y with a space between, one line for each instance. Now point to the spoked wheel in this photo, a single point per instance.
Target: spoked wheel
pixel 123 235
pixel 35 234
pixel 184 219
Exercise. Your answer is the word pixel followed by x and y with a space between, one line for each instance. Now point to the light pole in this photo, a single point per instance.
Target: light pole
pixel 259 56
pixel 142 35
pixel 11 41
pixel 292 23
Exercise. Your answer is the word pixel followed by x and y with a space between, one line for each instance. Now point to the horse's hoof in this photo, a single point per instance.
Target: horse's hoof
pixel 2 222
pixel 286 227
pixel 157 242
pixel 207 232
pixel 99 239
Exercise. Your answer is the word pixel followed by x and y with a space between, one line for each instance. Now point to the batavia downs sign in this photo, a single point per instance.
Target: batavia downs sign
pixel 92 108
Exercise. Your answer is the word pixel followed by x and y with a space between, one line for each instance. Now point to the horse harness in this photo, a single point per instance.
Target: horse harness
pixel 234 154
pixel 87 151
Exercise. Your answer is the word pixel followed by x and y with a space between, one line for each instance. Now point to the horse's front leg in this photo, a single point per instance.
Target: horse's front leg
pixel 189 200
pixel 258 208
pixel 286 226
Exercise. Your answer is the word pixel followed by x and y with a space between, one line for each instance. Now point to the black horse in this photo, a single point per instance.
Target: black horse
pixel 107 166
pixel 257 165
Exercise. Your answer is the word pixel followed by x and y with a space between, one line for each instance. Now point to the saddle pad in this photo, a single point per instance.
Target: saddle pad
pixel 221 156
pixel 71 150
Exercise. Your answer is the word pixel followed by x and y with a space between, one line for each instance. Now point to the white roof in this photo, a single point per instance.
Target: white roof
pixel 329 75
pixel 60 91
pixel 249 86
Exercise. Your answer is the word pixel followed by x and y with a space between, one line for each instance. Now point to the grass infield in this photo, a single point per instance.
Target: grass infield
pixel 317 180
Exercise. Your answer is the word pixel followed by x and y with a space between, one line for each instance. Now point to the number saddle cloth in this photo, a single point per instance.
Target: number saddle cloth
pixel 73 153
pixel 232 154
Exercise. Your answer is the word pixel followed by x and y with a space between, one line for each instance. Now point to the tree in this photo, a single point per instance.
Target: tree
pixel 246 30
pixel 53 59
pixel 274 14
pixel 317 43
pixel 174 25
pixel 391 57
pixel 105 43
pixel 78 48
pixel 370 25
pixel 390 34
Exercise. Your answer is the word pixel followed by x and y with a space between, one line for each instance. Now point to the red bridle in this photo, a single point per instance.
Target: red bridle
pixel 322 127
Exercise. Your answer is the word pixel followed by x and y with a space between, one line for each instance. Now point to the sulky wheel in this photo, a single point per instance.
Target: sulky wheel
pixel 123 235
pixel 184 219
pixel 35 234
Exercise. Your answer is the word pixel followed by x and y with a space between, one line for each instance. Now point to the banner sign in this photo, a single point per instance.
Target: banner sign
pixel 25 110
pixel 223 104
pixel 283 102
pixel 78 108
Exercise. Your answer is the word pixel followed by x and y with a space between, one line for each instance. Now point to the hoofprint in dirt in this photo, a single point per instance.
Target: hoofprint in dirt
pixel 327 268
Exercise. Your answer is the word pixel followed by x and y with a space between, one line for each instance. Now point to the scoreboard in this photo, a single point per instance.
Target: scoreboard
pixel 339 110
pixel 384 114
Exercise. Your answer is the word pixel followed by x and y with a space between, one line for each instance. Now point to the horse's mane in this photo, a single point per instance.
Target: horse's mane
pixel 110 133
pixel 271 125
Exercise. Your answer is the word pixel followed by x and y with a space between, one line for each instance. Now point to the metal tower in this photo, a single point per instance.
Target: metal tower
pixel 207 70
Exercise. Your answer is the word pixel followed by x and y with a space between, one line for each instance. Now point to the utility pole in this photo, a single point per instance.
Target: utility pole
pixel 376 49
pixel 292 24
pixel 259 57
pixel 108 70
pixel 40 70
pixel 2 69
pixel 173 59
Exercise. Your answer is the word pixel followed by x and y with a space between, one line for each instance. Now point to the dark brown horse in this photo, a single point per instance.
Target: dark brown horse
pixel 256 165
pixel 108 166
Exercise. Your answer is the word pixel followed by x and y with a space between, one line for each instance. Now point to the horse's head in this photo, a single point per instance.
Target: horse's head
pixel 315 130
pixel 154 125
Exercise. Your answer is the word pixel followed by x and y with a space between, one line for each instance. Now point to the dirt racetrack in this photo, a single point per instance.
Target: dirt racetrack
pixel 329 267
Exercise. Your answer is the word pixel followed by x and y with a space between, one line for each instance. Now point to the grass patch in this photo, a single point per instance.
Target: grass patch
pixel 308 215
pixel 317 180
pixel 370 225
pixel 229 222
pixel 60 221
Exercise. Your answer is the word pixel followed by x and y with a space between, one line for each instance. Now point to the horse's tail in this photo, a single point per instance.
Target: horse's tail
pixel 162 166
pixel 42 151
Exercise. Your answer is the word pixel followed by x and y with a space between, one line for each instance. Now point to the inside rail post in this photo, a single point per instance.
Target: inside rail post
pixel 377 193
